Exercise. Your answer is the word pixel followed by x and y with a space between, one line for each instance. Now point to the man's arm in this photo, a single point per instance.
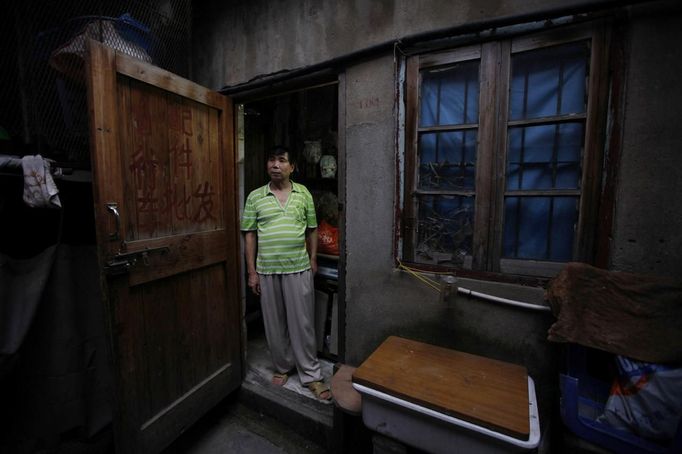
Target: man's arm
pixel 311 245
pixel 250 240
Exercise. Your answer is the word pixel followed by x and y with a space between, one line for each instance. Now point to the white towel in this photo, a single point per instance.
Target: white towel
pixel 39 188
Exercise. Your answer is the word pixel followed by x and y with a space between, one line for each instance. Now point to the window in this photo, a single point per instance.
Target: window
pixel 503 153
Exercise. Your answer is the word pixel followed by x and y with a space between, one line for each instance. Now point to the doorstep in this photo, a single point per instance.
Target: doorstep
pixel 307 416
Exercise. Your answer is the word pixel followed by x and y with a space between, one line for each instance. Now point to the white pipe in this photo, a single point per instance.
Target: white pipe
pixel 497 299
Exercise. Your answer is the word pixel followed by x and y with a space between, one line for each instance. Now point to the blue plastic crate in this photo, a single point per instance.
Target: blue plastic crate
pixel 134 31
pixel 582 401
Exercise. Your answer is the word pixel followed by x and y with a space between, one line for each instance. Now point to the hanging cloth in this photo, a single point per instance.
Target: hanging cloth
pixel 40 191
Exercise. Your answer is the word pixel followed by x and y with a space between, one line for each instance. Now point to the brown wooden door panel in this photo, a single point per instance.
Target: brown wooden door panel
pixel 160 78
pixel 174 321
pixel 163 156
pixel 172 172
pixel 185 252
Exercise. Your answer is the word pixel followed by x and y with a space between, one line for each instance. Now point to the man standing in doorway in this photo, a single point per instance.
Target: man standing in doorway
pixel 279 222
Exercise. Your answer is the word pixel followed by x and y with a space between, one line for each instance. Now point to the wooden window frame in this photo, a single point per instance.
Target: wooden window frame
pixel 490 185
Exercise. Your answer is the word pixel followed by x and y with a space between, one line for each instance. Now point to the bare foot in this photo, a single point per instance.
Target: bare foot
pixel 279 379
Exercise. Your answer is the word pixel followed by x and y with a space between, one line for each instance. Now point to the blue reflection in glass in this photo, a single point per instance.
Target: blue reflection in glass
pixel 453 91
pixel 548 81
pixel 526 224
pixel 449 96
pixel 536 176
pixel 528 233
pixel 567 175
pixel 428 111
pixel 570 142
pixel 544 157
pixel 532 228
pixel 427 147
pixel 565 216
pixel 447 160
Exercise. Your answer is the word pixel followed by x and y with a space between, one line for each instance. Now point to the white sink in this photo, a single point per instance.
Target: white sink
pixel 437 432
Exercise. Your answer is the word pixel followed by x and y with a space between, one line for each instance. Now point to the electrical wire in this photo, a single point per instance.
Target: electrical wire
pixel 471 293
pixel 431 283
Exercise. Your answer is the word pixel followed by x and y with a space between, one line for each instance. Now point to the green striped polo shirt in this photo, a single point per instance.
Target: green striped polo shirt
pixel 281 230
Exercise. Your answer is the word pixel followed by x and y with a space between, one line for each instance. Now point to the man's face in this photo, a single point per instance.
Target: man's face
pixel 279 167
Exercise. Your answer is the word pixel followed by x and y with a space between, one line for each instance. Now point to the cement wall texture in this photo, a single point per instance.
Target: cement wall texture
pixel 648 223
pixel 237 40
pixel 240 40
pixel 381 301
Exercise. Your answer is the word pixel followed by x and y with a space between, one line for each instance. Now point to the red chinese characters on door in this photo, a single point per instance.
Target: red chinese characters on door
pixel 170 160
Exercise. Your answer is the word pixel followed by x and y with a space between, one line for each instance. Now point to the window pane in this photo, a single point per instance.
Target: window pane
pixel 427 148
pixel 447 160
pixel 544 157
pixel 570 142
pixel 445 229
pixel 428 113
pixel 548 81
pixel 530 239
pixel 565 214
pixel 449 96
pixel 540 228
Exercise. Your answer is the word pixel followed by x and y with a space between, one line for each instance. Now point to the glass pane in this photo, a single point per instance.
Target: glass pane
pixel 445 229
pixel 570 142
pixel 567 175
pixel 449 96
pixel 540 228
pixel 447 160
pixel 526 237
pixel 549 81
pixel 428 112
pixel 564 218
pixel 427 148
pixel 472 97
pixel 511 208
pixel 544 157
pixel 532 227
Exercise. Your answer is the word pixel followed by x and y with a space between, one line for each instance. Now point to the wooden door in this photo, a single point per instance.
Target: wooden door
pixel 165 185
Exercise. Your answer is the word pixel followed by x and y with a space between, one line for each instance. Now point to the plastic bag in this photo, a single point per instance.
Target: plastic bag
pixel 645 399
pixel 327 239
pixel 69 58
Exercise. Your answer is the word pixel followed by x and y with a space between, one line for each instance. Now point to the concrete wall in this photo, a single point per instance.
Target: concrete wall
pixel 239 40
pixel 648 223
pixel 381 301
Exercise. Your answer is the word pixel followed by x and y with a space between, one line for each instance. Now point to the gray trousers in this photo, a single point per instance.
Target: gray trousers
pixel 288 305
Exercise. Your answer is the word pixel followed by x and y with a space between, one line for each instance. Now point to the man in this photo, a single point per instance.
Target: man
pixel 279 222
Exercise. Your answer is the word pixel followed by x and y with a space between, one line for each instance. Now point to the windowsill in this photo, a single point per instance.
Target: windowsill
pixel 526 276
pixel 531 267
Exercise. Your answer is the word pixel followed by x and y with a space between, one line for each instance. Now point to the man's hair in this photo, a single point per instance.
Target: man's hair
pixel 279 150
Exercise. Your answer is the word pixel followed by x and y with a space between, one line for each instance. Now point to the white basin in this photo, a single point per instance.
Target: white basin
pixel 436 432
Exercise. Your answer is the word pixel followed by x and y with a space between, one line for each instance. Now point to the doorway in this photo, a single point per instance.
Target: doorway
pixel 306 121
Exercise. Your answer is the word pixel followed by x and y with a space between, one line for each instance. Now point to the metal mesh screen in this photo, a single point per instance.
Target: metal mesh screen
pixel 43 90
